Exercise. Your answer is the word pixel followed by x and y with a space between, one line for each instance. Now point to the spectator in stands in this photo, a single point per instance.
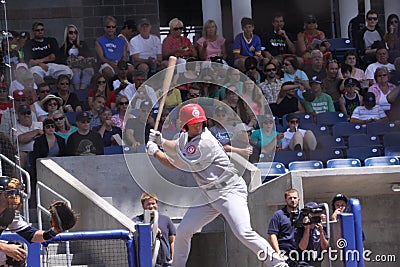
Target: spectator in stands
pixel 5 103
pixel 71 102
pixel 110 49
pixel 184 80
pixel 120 82
pixel 392 36
pixel 267 139
pixel 143 94
pixel 251 71
pixel 166 231
pixel 395 75
pixel 177 45
pixel 279 42
pixel 107 130
pixel 119 118
pixel 173 98
pixel 253 97
pixel 370 112
pixel 382 56
pixel 382 87
pixel 166 122
pixel 223 128
pixel 344 72
pixel 28 86
pixel 292 73
pixel 351 98
pixel 394 100
pixel 101 87
pixel 280 230
pixel 84 142
pixel 370 38
pixel 316 68
pixel 208 86
pixel 242 144
pixel 331 84
pixel 77 55
pixel 146 49
pixel 20 73
pixel 350 58
pixel 246 44
pixel 211 44
pixel 295 138
pixel 322 102
pixel 271 86
pixel 26 132
pixel 236 103
pixel 94 112
pixel 339 203
pixel 287 101
pixel 233 78
pixel 63 128
pixel 137 129
pixel 23 37
pixel 50 104
pixel 127 32
pixel 42 91
pixel 313 237
pixel 40 53
pixel 312 38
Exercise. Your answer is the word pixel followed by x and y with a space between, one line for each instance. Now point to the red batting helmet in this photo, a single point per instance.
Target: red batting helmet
pixel 191 114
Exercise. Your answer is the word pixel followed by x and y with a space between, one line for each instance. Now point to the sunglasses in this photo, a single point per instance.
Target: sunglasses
pixel 39 30
pixel 194 95
pixel 311 22
pixel 270 70
pixel 48 126
pixel 111 27
pixel 372 18
pixel 63 83
pixel 26 113
pixel 294 121
pixel 101 82
pixel 73 32
pixel 178 29
pixel 59 118
pixel 44 91
pixel 394 22
pixel 12 192
pixel 123 103
pixel 52 104
pixel 287 64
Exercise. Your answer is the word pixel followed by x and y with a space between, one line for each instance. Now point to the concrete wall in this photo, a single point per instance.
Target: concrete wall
pixel 108 176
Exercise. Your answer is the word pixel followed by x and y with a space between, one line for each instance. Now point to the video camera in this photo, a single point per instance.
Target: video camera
pixel 302 217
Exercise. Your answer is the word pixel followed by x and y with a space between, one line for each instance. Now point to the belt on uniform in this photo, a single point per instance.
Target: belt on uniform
pixel 217 186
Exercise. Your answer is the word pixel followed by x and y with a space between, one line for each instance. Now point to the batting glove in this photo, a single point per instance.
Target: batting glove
pixel 156 137
pixel 151 148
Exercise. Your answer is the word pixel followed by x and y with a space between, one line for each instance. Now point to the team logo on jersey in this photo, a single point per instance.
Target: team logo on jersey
pixel 191 149
pixel 196 113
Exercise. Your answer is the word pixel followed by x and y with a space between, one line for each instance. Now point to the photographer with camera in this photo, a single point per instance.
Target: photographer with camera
pixel 314 238
pixel 281 230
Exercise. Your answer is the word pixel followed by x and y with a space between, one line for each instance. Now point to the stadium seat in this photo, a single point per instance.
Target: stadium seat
pixel 339 47
pixel 306 165
pixel 358 140
pixel 381 161
pixel 71 116
pixel 329 141
pixel 305 118
pixel 343 163
pixel 330 118
pixel 270 170
pixel 287 156
pixel 111 150
pixel 362 153
pixel 381 128
pixel 391 139
pixel 325 154
pixel 322 130
pixel 346 129
pixel 392 151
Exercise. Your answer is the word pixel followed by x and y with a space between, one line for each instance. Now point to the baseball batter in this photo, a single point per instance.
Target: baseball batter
pixel 196 150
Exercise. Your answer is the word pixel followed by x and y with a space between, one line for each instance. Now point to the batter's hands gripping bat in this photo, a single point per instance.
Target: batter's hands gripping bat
pixel 166 84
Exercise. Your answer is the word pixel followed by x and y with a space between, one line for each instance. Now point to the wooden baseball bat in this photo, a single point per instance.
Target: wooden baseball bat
pixel 169 72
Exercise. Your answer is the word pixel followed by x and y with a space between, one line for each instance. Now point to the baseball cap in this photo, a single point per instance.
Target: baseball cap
pixel 143 21
pixel 25 34
pixel 311 205
pixel 122 65
pixel 47 122
pixel 23 109
pixel 310 18
pixel 130 24
pixel 242 127
pixel 17 94
pixel 292 116
pixel 352 81
pixel 82 116
pixel 145 105
pixel 21 65
pixel 369 99
pixel 268 117
pixel 315 79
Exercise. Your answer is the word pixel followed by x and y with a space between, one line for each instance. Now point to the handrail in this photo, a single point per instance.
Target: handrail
pixel 41 208
pixel 25 196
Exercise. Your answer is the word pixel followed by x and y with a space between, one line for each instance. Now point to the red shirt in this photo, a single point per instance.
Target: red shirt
pixel 171 43
pixel 111 97
pixel 4 107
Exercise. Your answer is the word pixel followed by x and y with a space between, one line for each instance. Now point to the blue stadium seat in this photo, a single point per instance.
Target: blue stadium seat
pixel 71 116
pixel 381 161
pixel 381 128
pixel 339 47
pixel 330 118
pixel 287 156
pixel 270 170
pixel 322 130
pixel 306 165
pixel 358 140
pixel 362 153
pixel 329 141
pixel 346 129
pixel 325 154
pixel 392 151
pixel 343 163
pixel 111 150
pixel 391 139
pixel 305 118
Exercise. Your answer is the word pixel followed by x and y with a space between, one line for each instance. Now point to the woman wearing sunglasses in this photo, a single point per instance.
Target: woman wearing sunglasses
pixel 101 87
pixel 50 104
pixel 297 139
pixel 122 106
pixel 63 128
pixel 76 54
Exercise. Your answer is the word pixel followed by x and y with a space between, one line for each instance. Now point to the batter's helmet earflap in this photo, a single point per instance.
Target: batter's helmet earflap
pixel 191 114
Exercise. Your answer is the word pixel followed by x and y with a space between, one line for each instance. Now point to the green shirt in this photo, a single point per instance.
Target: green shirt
pixel 320 104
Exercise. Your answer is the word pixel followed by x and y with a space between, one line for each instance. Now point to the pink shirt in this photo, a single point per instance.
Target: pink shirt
pixel 213 48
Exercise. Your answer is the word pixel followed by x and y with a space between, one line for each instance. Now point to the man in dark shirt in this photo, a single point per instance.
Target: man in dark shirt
pixel 84 142
pixel 40 54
